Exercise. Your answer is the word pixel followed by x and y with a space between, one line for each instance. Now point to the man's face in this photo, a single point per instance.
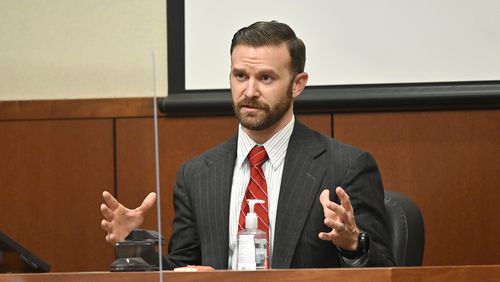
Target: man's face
pixel 261 85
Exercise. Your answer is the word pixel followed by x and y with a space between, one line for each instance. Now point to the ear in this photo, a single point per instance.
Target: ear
pixel 299 83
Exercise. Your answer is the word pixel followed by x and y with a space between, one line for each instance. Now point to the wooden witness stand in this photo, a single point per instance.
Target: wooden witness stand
pixel 407 274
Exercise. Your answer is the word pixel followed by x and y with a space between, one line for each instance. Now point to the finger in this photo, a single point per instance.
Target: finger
pixel 110 201
pixel 327 236
pixel 348 217
pixel 337 225
pixel 324 197
pixel 148 202
pixel 106 226
pixel 204 268
pixel 111 238
pixel 106 212
pixel 344 199
pixel 330 208
pixel 337 209
pixel 194 268
pixel 188 268
pixel 330 214
pixel 334 210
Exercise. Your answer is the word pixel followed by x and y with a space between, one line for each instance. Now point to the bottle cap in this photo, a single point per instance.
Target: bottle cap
pixel 251 217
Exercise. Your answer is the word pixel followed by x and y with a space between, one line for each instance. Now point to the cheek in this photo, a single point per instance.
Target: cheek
pixel 236 93
pixel 235 89
pixel 233 86
pixel 274 95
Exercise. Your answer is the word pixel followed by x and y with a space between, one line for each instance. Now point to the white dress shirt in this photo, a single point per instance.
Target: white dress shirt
pixel 276 148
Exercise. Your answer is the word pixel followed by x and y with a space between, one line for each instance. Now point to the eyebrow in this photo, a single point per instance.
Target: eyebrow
pixel 260 72
pixel 237 70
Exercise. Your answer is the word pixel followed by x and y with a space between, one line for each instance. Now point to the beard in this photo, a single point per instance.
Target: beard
pixel 267 116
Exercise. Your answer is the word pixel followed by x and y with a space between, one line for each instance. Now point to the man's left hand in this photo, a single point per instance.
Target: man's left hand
pixel 340 218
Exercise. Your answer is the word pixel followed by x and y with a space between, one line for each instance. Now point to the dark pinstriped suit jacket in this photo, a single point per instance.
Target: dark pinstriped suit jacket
pixel 313 162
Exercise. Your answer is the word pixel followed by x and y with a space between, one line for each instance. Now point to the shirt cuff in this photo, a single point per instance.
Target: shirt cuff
pixel 357 262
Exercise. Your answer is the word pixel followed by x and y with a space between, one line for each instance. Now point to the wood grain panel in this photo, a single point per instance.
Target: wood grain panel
pixel 448 162
pixel 299 275
pixel 379 274
pixel 483 273
pixel 180 139
pixel 77 108
pixel 319 122
pixel 51 176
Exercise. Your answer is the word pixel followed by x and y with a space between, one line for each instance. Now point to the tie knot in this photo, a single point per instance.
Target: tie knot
pixel 257 156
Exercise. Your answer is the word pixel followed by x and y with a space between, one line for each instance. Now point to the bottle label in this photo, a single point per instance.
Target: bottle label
pixel 246 252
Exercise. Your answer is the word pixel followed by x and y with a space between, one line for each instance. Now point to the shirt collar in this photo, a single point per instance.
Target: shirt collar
pixel 275 147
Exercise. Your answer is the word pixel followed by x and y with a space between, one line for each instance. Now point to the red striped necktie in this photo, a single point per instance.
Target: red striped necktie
pixel 257 189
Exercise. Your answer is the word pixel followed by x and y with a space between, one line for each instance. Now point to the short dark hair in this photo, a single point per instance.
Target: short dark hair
pixel 273 33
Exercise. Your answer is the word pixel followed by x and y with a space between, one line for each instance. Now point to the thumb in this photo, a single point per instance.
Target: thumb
pixel 324 197
pixel 148 202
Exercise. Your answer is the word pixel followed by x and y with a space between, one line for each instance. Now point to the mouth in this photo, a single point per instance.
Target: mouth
pixel 249 108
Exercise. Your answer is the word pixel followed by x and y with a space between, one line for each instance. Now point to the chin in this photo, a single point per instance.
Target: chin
pixel 253 122
pixel 252 125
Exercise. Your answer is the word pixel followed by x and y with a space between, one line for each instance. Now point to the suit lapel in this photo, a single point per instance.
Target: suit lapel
pixel 302 175
pixel 219 177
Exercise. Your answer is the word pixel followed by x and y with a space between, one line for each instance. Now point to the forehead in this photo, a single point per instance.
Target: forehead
pixel 276 57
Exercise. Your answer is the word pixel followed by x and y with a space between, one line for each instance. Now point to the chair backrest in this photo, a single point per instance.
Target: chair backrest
pixel 406 229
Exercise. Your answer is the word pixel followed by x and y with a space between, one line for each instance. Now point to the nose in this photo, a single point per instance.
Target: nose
pixel 252 89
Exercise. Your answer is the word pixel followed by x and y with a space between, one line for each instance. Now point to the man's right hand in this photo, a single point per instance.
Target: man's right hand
pixel 118 220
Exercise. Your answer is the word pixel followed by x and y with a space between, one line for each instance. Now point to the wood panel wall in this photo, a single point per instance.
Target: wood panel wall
pixel 51 176
pixel 449 164
pixel 56 162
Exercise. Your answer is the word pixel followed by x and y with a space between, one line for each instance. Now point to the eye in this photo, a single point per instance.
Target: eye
pixel 240 76
pixel 266 78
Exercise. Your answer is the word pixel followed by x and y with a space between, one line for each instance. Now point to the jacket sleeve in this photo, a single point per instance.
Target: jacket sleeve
pixel 363 184
pixel 184 245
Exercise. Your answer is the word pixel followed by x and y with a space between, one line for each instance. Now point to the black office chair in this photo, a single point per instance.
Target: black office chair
pixel 406 229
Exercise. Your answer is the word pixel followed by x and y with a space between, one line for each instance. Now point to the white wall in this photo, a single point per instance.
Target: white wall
pixel 355 42
pixel 69 49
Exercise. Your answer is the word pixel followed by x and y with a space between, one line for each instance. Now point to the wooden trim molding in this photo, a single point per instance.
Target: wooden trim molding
pixel 75 109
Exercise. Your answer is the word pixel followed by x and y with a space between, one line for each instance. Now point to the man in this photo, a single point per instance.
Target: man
pixel 324 199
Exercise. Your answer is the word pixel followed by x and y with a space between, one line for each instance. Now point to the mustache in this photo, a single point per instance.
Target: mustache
pixel 251 102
